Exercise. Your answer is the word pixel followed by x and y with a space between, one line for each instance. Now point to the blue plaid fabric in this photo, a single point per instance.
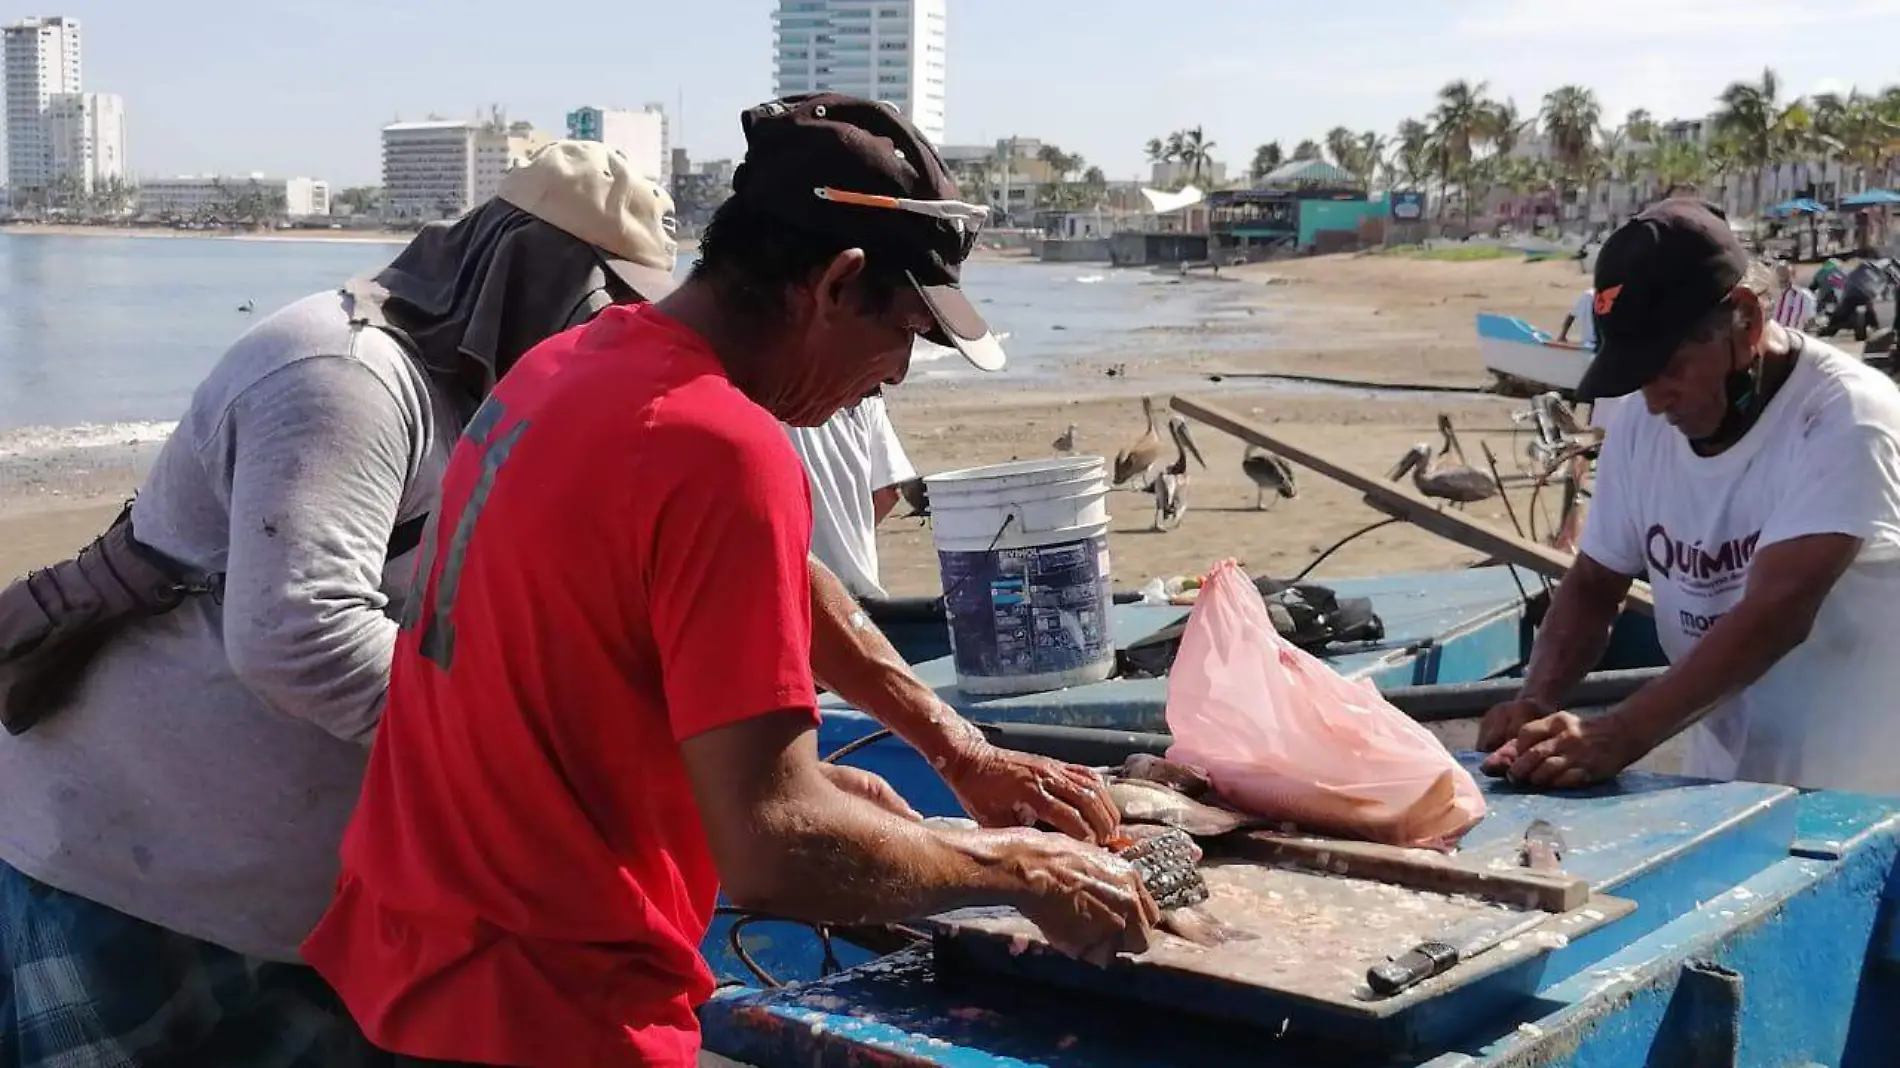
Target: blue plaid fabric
pixel 84 986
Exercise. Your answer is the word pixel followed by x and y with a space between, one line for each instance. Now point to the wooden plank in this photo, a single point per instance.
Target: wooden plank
pixel 1402 501
pixel 1418 869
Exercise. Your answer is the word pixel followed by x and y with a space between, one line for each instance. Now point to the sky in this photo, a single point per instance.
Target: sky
pixel 293 88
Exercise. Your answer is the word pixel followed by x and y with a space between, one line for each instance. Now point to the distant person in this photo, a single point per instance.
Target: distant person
pixel 1583 316
pixel 856 464
pixel 1795 307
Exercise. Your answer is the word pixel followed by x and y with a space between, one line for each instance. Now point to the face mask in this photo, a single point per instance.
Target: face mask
pixel 1743 390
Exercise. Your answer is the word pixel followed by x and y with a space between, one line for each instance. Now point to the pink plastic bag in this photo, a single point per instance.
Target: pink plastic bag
pixel 1286 737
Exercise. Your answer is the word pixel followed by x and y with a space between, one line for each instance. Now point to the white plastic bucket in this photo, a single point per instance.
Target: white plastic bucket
pixel 1023 552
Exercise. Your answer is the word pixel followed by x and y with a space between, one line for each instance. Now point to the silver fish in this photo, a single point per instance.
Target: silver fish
pixel 1145 802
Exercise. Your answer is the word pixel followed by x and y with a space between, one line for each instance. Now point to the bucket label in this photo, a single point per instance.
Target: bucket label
pixel 1030 611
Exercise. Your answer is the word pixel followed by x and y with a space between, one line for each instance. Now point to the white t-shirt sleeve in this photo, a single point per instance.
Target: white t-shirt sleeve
pixel 1853 487
pixel 889 465
pixel 1585 307
pixel 1611 535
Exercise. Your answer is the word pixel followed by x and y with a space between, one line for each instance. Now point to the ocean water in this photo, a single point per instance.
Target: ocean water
pixel 103 339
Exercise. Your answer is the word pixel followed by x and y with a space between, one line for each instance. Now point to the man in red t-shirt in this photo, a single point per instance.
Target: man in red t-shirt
pixel 602 705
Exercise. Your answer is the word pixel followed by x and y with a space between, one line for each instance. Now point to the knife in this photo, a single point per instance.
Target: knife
pixel 1542 850
pixel 1439 955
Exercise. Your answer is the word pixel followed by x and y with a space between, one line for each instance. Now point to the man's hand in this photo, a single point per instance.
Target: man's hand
pixel 1088 902
pixel 1565 751
pixel 860 783
pixel 1503 722
pixel 1004 788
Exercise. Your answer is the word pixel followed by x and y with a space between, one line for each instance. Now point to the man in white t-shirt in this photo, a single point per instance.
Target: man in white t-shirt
pixel 1582 314
pixel 1757 487
pixel 855 463
pixel 1795 307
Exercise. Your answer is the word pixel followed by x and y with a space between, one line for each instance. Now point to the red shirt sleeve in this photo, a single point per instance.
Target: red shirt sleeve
pixel 727 585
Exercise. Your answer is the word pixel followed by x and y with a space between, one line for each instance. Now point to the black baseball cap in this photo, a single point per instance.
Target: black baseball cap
pixel 1657 277
pixel 838 165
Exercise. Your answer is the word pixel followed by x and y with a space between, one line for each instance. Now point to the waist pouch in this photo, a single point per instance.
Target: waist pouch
pixel 55 621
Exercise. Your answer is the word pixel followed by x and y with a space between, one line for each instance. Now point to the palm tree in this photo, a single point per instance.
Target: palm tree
pixel 1372 157
pixel 1196 152
pixel 1266 159
pixel 1638 126
pixel 1413 152
pixel 1756 127
pixel 1677 163
pixel 1507 127
pixel 1157 151
pixel 1570 116
pixel 1306 150
pixel 1343 146
pixel 1463 120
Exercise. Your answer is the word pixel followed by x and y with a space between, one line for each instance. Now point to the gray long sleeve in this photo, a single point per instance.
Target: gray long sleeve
pixel 319 452
pixel 202 777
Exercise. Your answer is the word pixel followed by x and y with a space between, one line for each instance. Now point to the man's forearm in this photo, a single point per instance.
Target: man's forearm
pixel 1572 640
pixel 852 658
pixel 847 861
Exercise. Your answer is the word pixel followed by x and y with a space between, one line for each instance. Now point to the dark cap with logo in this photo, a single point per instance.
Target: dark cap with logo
pixel 1657 278
pixel 821 162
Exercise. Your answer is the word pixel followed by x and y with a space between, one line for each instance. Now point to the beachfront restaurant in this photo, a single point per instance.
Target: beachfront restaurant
pixel 1251 223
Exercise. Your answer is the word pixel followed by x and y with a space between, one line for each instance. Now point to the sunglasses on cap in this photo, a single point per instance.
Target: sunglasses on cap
pixel 967 219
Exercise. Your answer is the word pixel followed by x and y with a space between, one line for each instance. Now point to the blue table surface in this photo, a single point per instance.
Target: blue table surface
pixel 1668 843
pixel 1441 626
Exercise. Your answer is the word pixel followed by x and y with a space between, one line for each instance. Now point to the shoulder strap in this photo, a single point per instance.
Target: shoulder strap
pixel 406 536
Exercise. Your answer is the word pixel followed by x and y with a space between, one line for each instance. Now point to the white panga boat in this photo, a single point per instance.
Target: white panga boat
pixel 1518 352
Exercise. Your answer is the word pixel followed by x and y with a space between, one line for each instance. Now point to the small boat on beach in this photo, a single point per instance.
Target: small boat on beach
pixel 1527 359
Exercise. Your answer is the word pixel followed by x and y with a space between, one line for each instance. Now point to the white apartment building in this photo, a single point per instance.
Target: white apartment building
pixel 41 60
pixel 87 131
pixel 192 194
pixel 890 50
pixel 638 135
pixel 439 168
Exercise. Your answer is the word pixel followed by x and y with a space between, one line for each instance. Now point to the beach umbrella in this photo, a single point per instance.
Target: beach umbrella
pixel 1797 206
pixel 1871 198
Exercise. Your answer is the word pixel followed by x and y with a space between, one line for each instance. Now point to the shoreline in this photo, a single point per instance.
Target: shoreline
pixel 161 233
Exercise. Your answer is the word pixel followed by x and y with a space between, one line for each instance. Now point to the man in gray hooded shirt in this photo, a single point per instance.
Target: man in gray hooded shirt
pixel 169 836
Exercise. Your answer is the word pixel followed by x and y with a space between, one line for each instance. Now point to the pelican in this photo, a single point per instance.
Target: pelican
pixel 1451 440
pixel 1269 472
pixel 1065 443
pixel 247 307
pixel 1139 458
pixel 1458 485
pixel 1170 487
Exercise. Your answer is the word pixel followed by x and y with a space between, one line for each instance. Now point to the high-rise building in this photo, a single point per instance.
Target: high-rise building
pixel 87 131
pixel 41 61
pixel 891 50
pixel 638 135
pixel 428 168
pixel 439 168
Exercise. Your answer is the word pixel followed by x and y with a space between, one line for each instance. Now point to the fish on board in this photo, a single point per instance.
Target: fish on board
pixel 1181 778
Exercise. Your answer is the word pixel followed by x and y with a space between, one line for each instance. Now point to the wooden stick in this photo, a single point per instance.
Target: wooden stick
pixel 1416 868
pixel 1398 500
